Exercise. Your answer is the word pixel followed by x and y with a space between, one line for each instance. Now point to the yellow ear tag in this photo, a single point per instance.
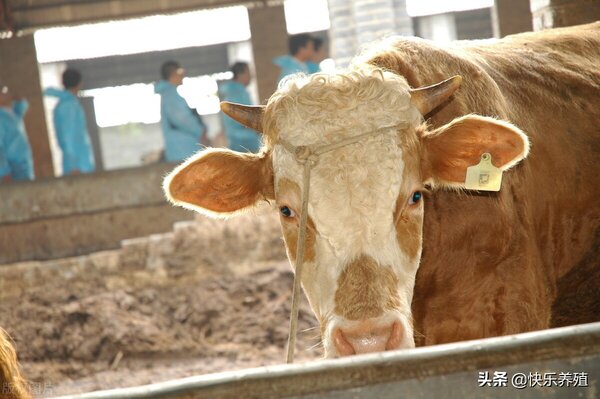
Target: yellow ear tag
pixel 484 176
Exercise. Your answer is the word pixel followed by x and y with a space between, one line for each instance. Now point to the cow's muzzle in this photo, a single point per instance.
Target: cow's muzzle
pixel 369 336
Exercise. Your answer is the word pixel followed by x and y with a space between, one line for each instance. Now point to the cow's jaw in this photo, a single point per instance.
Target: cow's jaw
pixel 358 275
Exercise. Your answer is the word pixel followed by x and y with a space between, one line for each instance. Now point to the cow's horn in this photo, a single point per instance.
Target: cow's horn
pixel 426 99
pixel 247 115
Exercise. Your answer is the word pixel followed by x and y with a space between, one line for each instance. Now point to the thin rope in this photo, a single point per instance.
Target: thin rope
pixel 299 263
pixel 308 157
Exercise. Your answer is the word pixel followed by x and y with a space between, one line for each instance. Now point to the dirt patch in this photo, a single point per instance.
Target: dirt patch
pixel 209 297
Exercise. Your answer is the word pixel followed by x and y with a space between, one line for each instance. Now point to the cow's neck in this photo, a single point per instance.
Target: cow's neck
pixel 479 246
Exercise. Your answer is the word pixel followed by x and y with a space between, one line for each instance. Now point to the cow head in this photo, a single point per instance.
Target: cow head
pixel 365 214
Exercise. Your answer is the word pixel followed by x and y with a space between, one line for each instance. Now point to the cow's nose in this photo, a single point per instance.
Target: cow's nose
pixel 366 338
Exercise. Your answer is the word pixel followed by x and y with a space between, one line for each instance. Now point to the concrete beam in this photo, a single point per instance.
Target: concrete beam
pixel 269 39
pixel 511 16
pixel 30 15
pixel 19 70
pixel 558 13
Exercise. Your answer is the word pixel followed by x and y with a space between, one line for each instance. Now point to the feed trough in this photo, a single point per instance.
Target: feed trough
pixel 556 363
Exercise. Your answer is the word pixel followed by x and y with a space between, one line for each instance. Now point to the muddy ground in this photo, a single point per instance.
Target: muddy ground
pixel 210 296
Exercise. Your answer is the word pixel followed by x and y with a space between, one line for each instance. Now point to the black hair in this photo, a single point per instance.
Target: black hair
pixel 238 68
pixel 168 68
pixel 71 78
pixel 317 43
pixel 297 42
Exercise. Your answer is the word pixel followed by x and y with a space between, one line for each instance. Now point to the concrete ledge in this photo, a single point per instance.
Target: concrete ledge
pixel 81 234
pixel 77 215
pixel 437 371
pixel 51 198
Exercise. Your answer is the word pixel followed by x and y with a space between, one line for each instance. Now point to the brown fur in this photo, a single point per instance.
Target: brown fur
pixel 290 227
pixel 408 230
pixel 492 261
pixel 450 150
pixel 12 384
pixel 577 299
pixel 408 227
pixel 365 290
pixel 224 181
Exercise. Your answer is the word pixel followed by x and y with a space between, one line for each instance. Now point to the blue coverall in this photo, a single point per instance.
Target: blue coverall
pixel 289 65
pixel 182 130
pixel 71 132
pixel 313 67
pixel 240 138
pixel 15 153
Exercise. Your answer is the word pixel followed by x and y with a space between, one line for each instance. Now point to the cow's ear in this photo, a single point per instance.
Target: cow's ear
pixel 452 148
pixel 220 182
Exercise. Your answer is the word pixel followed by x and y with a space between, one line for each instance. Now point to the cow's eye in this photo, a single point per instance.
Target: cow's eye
pixel 415 198
pixel 287 212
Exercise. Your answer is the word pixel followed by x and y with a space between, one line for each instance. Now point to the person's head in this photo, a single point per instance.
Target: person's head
pixel 6 97
pixel 71 79
pixel 319 50
pixel 302 46
pixel 241 72
pixel 172 72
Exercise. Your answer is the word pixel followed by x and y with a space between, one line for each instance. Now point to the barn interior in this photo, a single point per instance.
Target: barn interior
pixel 103 284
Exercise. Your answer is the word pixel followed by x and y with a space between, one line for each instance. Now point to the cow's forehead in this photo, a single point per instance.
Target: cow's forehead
pixel 355 187
pixel 325 108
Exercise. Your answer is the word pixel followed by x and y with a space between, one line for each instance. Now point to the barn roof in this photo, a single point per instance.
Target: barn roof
pixel 29 15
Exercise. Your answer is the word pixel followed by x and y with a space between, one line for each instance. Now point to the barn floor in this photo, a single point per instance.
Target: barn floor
pixel 210 296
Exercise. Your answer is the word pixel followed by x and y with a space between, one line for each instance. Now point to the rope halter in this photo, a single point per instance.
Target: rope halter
pixel 308 156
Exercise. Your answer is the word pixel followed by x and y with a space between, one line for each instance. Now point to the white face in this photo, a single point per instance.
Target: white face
pixel 365 214
pixel 358 275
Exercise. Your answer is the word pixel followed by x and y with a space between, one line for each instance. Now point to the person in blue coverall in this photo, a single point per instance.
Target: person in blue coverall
pixel 313 65
pixel 183 131
pixel 70 126
pixel 16 161
pixel 301 51
pixel 239 137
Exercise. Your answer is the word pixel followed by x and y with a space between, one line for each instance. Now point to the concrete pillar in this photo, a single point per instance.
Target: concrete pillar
pixel 556 13
pixel 93 130
pixel 355 23
pixel 269 40
pixel 342 34
pixel 511 16
pixel 403 22
pixel 374 19
pixel 19 71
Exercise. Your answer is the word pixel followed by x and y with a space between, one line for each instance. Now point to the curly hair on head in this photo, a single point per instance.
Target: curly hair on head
pixel 12 384
pixel 360 97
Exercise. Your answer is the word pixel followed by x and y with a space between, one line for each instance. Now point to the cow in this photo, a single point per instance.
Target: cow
pixel 398 253
pixel 12 384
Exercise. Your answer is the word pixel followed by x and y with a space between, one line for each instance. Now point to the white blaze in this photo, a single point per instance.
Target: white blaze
pixel 353 189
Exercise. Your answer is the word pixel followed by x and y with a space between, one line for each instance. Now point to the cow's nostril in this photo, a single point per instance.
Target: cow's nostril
pixel 395 337
pixel 341 343
pixel 367 337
